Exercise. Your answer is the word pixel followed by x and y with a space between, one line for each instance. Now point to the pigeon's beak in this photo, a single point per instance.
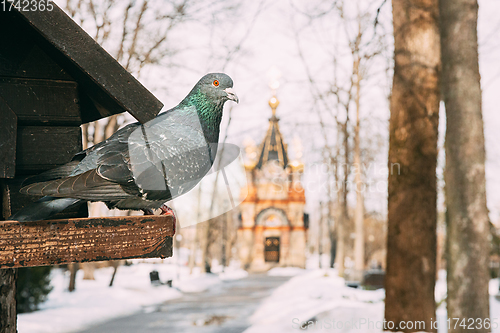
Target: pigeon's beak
pixel 231 95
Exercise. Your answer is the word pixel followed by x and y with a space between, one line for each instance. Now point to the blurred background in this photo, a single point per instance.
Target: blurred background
pixel 314 80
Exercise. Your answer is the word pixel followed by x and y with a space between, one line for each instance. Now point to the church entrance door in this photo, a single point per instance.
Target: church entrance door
pixel 272 249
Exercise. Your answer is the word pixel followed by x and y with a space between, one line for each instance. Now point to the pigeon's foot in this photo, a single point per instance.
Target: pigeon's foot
pixel 165 210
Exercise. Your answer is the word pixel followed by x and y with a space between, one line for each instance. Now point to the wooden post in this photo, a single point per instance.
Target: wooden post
pixel 8 300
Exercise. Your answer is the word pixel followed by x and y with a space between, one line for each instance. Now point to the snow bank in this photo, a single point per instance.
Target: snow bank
pixel 320 297
pixel 311 296
pixel 93 301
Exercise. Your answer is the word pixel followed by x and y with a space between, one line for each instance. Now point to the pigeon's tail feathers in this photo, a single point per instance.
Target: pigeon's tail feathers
pixel 87 186
pixel 53 174
pixel 44 208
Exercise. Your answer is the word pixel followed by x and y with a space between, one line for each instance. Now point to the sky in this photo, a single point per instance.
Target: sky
pixel 266 32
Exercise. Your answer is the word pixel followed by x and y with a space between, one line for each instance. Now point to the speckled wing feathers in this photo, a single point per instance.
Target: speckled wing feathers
pixel 159 161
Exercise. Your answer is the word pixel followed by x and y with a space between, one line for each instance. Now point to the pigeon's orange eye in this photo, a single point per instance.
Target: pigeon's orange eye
pixel 216 83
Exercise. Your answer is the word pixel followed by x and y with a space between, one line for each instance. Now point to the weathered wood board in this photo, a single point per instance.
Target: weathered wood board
pixel 8 135
pixel 51 242
pixel 42 102
pixel 41 148
pixel 13 201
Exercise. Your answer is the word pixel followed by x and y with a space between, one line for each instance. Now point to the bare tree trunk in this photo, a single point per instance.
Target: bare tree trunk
pixel 73 268
pixel 231 237
pixel 211 227
pixel 343 208
pixel 192 252
pixel 8 314
pixel 330 220
pixel 111 126
pixel 223 260
pixel 115 264
pixel 413 129
pixel 331 234
pixel 98 132
pixel 320 234
pixel 204 233
pixel 195 242
pixel 340 223
pixel 85 136
pixel 88 270
pixel 359 213
pixel 340 251
pixel 467 214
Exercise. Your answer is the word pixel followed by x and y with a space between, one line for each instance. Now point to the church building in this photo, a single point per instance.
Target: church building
pixel 273 224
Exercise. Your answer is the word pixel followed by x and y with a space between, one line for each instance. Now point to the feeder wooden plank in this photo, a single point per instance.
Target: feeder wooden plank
pixel 42 102
pixel 8 135
pixel 41 243
pixel 40 148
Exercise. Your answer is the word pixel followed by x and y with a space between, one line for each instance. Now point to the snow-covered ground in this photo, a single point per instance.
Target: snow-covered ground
pixel 94 301
pixel 312 297
pixel 318 300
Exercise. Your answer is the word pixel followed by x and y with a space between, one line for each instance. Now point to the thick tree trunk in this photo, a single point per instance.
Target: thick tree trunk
pixel 413 126
pixel 8 319
pixel 468 226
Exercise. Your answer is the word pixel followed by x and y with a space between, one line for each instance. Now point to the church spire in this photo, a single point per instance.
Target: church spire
pixel 273 147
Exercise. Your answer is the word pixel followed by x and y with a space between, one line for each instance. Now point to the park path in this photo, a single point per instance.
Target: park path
pixel 224 308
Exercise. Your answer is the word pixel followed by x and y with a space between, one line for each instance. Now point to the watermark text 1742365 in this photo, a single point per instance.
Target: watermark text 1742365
pixel 27 5
pixel 366 323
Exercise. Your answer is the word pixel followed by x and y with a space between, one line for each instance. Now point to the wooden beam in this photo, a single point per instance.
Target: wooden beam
pixel 41 148
pixel 42 102
pixel 40 243
pixel 8 136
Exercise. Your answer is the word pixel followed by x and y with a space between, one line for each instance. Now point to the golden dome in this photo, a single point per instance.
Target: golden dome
pixel 274 102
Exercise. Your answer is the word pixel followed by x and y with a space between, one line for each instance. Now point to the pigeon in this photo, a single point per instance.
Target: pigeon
pixel 141 166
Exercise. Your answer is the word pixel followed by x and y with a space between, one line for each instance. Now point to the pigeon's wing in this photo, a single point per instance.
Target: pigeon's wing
pixel 88 186
pixel 53 174
pixel 162 159
pixel 83 161
pixel 96 155
pixel 80 178
pixel 169 156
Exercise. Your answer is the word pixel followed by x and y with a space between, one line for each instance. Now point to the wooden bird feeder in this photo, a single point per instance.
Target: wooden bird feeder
pixel 53 78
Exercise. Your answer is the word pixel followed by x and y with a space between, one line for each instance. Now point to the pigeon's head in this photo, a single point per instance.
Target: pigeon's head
pixel 217 87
